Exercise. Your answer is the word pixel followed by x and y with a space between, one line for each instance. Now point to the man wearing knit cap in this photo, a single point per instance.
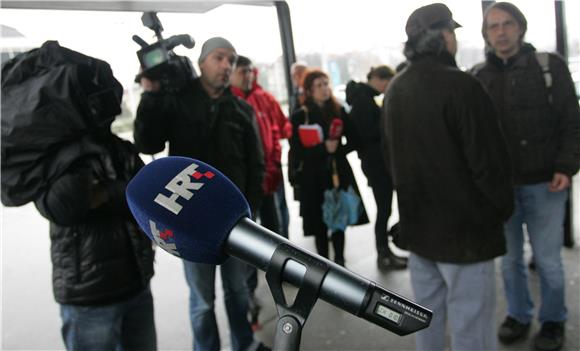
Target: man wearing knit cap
pixel 539 113
pixel 206 122
pixel 451 171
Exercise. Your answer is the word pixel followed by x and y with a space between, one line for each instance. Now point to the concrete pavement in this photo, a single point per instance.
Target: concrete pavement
pixel 30 317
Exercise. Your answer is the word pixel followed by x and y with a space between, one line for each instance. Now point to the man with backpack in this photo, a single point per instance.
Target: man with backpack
pixel 539 114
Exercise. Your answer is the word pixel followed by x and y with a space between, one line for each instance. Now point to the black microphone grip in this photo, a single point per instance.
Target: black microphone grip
pixel 340 287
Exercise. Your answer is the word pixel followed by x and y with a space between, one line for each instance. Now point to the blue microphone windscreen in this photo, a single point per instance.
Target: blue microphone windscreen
pixel 187 207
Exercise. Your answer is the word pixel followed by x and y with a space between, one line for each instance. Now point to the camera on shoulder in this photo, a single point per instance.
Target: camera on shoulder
pixel 159 62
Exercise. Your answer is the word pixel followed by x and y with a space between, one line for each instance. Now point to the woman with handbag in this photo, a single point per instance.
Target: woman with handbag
pixel 319 161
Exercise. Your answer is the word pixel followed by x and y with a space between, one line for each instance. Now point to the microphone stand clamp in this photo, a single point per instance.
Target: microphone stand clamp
pixel 291 318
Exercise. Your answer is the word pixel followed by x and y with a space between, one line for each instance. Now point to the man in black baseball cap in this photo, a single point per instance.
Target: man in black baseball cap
pixel 451 170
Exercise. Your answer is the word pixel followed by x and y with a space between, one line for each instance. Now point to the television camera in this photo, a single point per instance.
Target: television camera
pixel 159 62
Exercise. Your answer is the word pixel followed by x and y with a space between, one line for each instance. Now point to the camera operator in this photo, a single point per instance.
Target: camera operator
pixel 203 120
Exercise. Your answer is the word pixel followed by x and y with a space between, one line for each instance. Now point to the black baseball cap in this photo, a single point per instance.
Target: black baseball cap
pixel 428 17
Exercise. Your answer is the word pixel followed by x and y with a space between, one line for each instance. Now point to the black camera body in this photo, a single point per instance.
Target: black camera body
pixel 159 62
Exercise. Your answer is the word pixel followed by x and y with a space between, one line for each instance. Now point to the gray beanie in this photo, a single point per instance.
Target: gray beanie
pixel 211 44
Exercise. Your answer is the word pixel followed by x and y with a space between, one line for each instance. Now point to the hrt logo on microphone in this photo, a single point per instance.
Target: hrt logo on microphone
pixel 182 186
pixel 164 238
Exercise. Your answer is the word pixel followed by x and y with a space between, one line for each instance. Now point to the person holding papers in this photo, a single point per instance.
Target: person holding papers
pixel 320 159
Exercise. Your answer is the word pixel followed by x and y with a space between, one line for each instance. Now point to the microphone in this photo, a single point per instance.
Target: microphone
pixel 140 41
pixel 180 39
pixel 335 130
pixel 193 211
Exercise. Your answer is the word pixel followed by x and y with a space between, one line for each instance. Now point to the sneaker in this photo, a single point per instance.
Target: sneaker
pixel 511 330
pixel 550 337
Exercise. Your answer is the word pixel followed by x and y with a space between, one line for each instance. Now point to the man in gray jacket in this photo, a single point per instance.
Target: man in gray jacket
pixel 539 114
pixel 452 175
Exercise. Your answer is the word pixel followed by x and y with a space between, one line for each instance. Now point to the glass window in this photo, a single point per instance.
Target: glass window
pixel 572 8
pixel 540 15
pixel 347 40
pixel 253 30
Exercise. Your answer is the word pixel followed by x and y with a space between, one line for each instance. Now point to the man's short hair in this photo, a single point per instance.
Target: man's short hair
pixel 298 65
pixel 243 61
pixel 381 72
pixel 512 10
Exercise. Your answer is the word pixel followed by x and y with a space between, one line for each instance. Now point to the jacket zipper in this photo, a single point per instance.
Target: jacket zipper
pixel 77 257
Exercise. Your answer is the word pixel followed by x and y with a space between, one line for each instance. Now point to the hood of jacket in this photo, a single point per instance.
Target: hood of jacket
pixel 356 89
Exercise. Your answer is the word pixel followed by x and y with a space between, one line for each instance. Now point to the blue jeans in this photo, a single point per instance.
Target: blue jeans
pixel 282 209
pixel 126 325
pixel 542 212
pixel 201 280
pixel 461 296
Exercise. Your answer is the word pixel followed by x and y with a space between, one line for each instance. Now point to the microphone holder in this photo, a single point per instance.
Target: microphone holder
pixel 291 318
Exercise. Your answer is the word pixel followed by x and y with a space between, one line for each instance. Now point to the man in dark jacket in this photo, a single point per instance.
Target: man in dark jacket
pixel 452 175
pixel 102 262
pixel 366 115
pixel 58 151
pixel 206 122
pixel 540 117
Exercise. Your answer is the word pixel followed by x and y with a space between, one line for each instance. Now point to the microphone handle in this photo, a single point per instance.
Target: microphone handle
pixel 340 287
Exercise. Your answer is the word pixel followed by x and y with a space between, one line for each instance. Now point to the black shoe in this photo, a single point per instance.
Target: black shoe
pixel 339 261
pixel 258 346
pixel 550 337
pixel 263 347
pixel 391 261
pixel 254 310
pixel 532 264
pixel 511 330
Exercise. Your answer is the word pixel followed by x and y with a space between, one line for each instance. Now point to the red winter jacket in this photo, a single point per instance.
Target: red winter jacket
pixel 273 125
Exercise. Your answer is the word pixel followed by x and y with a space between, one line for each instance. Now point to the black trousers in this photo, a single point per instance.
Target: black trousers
pixel 382 186
pixel 268 218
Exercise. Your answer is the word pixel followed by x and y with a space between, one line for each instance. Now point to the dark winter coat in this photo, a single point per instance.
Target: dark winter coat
pixel 99 255
pixel 365 115
pixel 221 132
pixel 315 165
pixel 450 163
pixel 543 137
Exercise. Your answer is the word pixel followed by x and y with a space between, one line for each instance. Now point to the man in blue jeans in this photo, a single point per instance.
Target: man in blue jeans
pixel 75 169
pixel 539 114
pixel 452 174
pixel 205 121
